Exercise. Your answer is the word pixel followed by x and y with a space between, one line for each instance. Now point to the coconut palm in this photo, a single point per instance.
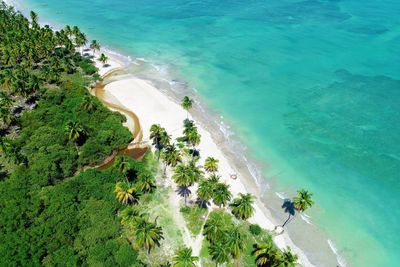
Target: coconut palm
pixel 159 137
pixel 33 84
pixel 242 207
pixel 94 45
pixel 183 258
pixel 68 31
pixel 221 194
pixel 88 103
pixel 103 59
pixel 204 192
pixel 126 193
pixel 211 164
pixel 75 130
pixel 145 182
pixel 6 79
pixel 219 252
pixel 303 201
pixel 5 100
pixel 214 228
pixel 195 170
pixel 131 214
pixel 122 164
pixel 193 137
pixel 287 259
pixel 186 175
pixel 265 253
pixel 34 19
pixel 187 104
pixel 171 156
pixel 80 40
pixel 235 242
pixel 214 179
pixel 5 116
pixel 147 235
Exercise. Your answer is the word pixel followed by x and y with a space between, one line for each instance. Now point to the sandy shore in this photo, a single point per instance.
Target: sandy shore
pixel 154 107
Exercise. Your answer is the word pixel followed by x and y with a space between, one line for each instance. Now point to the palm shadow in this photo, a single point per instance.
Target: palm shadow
pixel 202 203
pixel 288 206
pixel 183 191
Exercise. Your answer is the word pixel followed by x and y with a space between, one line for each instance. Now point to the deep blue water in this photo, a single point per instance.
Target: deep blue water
pixel 312 88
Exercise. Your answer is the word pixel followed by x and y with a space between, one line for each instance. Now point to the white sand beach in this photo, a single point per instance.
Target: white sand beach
pixel 154 107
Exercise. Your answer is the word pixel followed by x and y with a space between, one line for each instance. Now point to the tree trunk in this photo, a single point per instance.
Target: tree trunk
pixel 185 201
pixel 289 219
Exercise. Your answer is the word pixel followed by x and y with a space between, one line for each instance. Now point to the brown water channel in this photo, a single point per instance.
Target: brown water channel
pixel 135 149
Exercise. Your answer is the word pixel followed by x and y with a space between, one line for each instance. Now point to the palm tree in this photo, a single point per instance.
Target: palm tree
pixel 126 193
pixel 76 31
pixel 214 228
pixel 183 258
pixel 211 164
pixel 75 131
pixel 265 253
pixel 219 252
pixel 186 175
pixel 303 201
pixel 94 45
pixel 204 192
pixel 5 100
pixel 235 242
pixel 187 104
pixel 88 103
pixel 103 59
pixel 287 259
pixel 33 84
pixel 145 182
pixel 242 207
pixel 68 31
pixel 195 171
pixel 147 235
pixel 6 79
pixel 5 116
pixel 34 18
pixel 221 194
pixel 193 138
pixel 80 40
pixel 122 164
pixel 214 179
pixel 171 156
pixel 131 214
pixel 160 137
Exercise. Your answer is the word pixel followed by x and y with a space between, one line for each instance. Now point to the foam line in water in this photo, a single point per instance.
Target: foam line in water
pixel 342 262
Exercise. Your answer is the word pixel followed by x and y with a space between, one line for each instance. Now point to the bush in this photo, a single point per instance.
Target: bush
pixel 87 67
pixel 255 229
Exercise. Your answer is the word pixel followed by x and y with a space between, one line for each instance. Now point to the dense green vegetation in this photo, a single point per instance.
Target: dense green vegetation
pixel 53 213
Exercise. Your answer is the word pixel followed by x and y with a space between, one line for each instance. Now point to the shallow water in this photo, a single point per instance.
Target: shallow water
pixel 311 87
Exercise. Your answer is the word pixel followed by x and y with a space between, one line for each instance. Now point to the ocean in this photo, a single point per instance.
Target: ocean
pixel 311 88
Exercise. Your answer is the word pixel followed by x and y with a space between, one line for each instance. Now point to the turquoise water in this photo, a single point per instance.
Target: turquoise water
pixel 312 88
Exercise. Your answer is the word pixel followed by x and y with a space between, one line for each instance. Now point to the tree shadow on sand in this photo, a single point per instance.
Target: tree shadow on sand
pixel 183 191
pixel 288 207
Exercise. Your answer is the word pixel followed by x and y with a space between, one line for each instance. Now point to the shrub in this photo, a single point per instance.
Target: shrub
pixel 255 229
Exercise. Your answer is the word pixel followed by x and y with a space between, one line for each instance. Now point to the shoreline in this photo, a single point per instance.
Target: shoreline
pixel 133 92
